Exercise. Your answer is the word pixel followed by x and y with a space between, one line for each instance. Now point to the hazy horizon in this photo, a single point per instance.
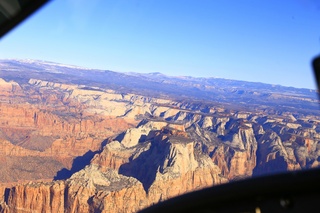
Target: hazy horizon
pixel 28 60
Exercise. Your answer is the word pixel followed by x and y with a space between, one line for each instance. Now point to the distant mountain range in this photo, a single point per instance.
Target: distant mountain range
pixel 235 92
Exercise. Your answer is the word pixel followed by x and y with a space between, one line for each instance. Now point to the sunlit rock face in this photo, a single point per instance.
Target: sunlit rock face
pixel 46 125
pixel 121 179
pixel 92 146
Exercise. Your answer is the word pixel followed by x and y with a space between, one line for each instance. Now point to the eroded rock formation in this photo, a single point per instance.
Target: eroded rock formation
pixel 125 179
pixel 113 151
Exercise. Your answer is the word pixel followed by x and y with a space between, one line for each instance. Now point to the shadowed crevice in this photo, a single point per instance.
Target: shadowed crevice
pixel 78 164
pixel 6 195
pixel 147 164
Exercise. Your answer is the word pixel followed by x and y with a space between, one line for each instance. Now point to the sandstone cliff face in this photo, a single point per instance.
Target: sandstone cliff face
pixel 107 191
pixel 44 134
pixel 284 147
pixel 231 143
pixel 10 88
pixel 239 150
pixel 40 197
pixel 272 156
pixel 183 170
pixel 41 123
pixel 89 190
pixel 113 156
pixel 163 164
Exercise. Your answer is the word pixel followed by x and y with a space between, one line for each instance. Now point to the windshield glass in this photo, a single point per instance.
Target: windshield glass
pixel 115 105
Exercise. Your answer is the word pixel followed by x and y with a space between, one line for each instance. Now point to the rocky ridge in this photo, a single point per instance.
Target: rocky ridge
pixel 154 170
pixel 138 149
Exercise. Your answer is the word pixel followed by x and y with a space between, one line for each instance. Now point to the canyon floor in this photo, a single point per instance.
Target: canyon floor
pixel 84 140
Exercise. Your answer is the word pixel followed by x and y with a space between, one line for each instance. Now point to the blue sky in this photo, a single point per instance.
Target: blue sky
pixel 270 41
